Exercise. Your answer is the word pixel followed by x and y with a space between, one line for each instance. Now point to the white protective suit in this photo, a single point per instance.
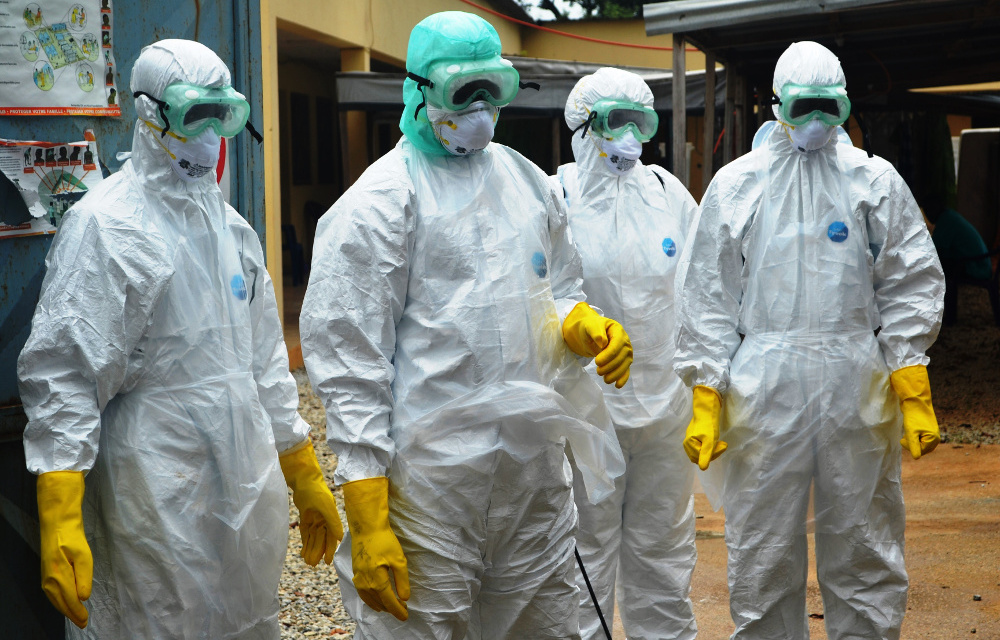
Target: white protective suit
pixel 630 230
pixel 431 330
pixel 156 361
pixel 796 260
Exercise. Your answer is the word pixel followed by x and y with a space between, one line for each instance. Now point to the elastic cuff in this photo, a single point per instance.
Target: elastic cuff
pixel 712 389
pixel 305 444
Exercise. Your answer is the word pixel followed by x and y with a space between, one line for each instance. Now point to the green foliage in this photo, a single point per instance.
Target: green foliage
pixel 608 9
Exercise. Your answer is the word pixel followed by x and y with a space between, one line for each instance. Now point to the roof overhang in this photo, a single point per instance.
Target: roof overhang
pixel 695 15
pixel 885 46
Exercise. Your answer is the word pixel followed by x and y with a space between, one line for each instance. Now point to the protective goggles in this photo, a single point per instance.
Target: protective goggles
pixel 455 84
pixel 188 109
pixel 799 104
pixel 612 118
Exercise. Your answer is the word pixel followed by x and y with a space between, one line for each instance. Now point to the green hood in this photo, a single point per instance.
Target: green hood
pixel 445 35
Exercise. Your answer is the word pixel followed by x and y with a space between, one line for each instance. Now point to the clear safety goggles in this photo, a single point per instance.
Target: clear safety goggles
pixel 799 104
pixel 455 84
pixel 612 118
pixel 188 109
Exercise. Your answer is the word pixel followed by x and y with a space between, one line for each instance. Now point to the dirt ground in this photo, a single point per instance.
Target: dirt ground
pixel 952 552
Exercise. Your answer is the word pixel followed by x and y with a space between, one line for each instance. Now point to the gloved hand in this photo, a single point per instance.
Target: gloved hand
pixel 701 442
pixel 592 336
pixel 920 427
pixel 319 522
pixel 374 547
pixel 67 564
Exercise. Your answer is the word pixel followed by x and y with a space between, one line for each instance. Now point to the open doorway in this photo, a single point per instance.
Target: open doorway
pixel 311 172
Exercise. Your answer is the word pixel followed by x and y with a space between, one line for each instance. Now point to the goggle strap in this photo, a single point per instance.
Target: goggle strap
pixel 775 100
pixel 421 82
pixel 253 132
pixel 586 125
pixel 163 110
pixel 529 85
pixel 866 140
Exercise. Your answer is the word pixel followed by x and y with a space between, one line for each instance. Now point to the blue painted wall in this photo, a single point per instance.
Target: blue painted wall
pixel 232 29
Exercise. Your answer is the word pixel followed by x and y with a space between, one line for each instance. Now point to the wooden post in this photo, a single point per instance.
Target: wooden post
pixel 679 87
pixel 740 117
pixel 762 104
pixel 557 127
pixel 706 155
pixel 728 120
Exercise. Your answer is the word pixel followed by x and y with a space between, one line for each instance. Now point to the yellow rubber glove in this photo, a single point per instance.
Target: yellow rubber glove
pixel 592 336
pixel 67 564
pixel 319 522
pixel 701 442
pixel 374 547
pixel 920 427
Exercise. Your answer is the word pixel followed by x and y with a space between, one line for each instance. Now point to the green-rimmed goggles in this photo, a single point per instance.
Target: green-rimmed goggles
pixel 612 118
pixel 455 84
pixel 188 109
pixel 799 104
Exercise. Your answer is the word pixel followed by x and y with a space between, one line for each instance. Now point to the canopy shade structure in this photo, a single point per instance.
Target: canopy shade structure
pixel 884 45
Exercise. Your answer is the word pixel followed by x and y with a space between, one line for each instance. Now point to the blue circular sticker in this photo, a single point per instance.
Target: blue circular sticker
pixel 239 287
pixel 837 231
pixel 539 265
pixel 669 247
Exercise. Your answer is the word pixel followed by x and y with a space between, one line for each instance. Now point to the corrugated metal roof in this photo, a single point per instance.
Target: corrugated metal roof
pixel 691 15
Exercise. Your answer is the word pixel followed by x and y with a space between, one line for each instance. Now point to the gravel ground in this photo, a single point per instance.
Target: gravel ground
pixel 310 596
pixel 964 371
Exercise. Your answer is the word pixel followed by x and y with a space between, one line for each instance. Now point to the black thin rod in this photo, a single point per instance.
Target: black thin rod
pixel 593 596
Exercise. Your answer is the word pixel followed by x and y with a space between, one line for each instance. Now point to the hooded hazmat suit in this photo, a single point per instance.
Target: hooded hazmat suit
pixel 431 331
pixel 630 230
pixel 796 260
pixel 156 362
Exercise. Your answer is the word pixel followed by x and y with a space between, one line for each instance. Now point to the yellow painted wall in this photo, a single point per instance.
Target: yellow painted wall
pixel 272 150
pixel 383 26
pixel 542 44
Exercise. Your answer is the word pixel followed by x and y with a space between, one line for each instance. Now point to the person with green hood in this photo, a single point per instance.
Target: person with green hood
pixel 443 328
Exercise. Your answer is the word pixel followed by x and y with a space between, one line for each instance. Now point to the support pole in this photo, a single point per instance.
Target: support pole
pixel 557 127
pixel 679 86
pixel 728 120
pixel 356 122
pixel 742 117
pixel 706 155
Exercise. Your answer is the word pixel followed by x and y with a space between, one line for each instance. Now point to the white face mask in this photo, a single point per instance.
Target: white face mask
pixel 196 157
pixel 467 131
pixel 621 153
pixel 810 136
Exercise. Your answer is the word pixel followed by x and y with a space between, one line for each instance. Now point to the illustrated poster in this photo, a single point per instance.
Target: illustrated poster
pixel 51 177
pixel 55 58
